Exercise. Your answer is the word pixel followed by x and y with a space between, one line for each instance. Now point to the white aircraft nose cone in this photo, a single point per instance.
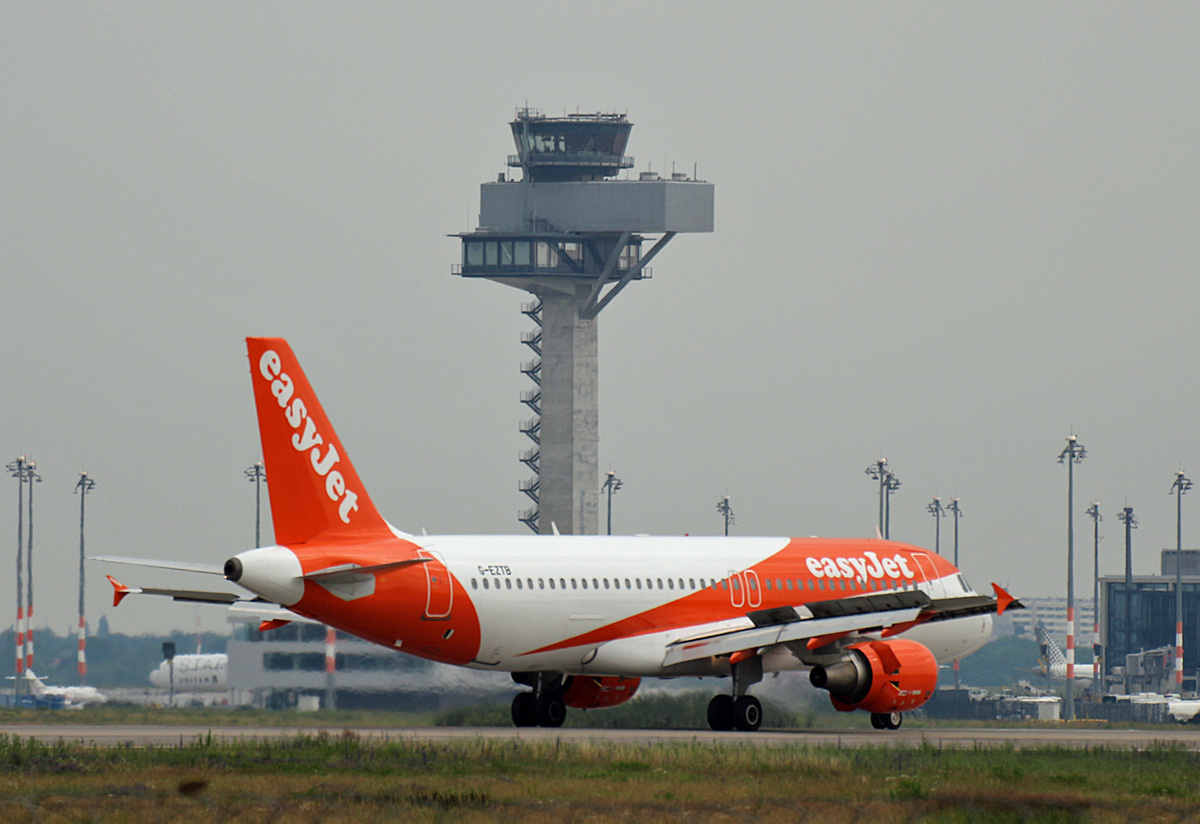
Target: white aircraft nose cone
pixel 271 571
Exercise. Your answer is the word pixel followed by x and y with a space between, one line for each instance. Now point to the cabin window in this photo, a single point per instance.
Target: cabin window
pixel 573 584
pixel 691 583
pixel 853 585
pixel 660 586
pixel 508 583
pixel 821 585
pixel 474 584
pixel 724 583
pixel 670 584
pixel 519 584
pixel 681 583
pixel 606 583
pixel 542 583
pixel 752 584
pixel 485 583
pixel 737 585
pixel 639 583
pixel 843 583
pixel 562 583
pixel 595 584
pixel 530 582
pixel 650 584
pixel 584 582
pixel 551 583
pixel 627 586
pixel 768 583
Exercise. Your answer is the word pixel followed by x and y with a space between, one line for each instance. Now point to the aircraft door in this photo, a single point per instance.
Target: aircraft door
pixel 439 590
pixel 737 589
pixel 753 589
pixel 929 574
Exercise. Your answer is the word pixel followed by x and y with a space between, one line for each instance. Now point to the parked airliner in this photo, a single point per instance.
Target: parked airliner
pixel 580 620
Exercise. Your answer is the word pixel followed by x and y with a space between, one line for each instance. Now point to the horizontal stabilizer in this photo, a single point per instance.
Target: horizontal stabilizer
pixel 181 566
pixel 189 595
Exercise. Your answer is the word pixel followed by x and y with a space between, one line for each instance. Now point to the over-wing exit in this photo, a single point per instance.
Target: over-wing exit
pixel 580 620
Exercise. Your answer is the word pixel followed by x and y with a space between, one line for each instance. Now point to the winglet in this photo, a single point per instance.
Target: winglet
pixel 1003 599
pixel 119 590
pixel 273 623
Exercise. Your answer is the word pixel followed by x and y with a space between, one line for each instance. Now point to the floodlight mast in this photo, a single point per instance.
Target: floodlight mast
pixel 1072 454
pixel 18 470
pixel 1093 512
pixel 33 478
pixel 957 510
pixel 611 484
pixel 256 475
pixel 878 471
pixel 889 487
pixel 82 488
pixel 1126 516
pixel 727 512
pixel 1180 487
pixel 938 512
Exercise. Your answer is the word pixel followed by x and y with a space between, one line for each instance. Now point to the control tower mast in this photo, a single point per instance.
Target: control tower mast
pixel 572 236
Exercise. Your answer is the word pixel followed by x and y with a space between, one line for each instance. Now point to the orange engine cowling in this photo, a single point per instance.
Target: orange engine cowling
pixel 586 692
pixel 880 676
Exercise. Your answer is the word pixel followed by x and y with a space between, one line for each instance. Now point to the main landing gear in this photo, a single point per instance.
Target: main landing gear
pixel 738 711
pixel 544 706
pixel 886 720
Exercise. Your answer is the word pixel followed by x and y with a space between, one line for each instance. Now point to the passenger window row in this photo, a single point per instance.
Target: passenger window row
pixel 775 584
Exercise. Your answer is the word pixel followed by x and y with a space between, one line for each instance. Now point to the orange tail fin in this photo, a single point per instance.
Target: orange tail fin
pixel 315 491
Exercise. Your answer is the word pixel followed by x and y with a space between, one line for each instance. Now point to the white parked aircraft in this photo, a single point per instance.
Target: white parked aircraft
pixel 72 697
pixel 194 673
pixel 579 620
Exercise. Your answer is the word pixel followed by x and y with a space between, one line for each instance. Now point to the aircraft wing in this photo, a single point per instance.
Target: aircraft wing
pixel 886 613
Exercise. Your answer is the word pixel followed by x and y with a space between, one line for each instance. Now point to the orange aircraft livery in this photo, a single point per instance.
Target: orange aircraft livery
pixel 579 620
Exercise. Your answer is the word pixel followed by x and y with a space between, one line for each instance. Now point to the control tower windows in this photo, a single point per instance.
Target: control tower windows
pixel 490 256
pixel 547 255
pixel 521 253
pixel 473 253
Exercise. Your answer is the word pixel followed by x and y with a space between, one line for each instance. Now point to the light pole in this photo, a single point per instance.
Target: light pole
pixel 727 512
pixel 938 512
pixel 33 478
pixel 256 474
pixel 1126 516
pixel 18 470
pixel 1093 511
pixel 1180 487
pixel 889 486
pixel 611 484
pixel 878 471
pixel 1072 454
pixel 82 488
pixel 957 510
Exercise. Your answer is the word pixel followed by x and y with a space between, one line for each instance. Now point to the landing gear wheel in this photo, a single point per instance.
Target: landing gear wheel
pixel 893 720
pixel 879 721
pixel 524 710
pixel 551 712
pixel 747 713
pixel 720 713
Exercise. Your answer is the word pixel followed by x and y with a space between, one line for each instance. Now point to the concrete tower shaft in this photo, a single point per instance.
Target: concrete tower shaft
pixel 573 237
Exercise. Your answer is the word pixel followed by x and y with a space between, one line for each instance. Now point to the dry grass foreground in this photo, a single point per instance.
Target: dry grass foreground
pixel 344 779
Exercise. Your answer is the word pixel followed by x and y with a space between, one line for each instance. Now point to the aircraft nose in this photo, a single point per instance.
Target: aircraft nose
pixel 272 572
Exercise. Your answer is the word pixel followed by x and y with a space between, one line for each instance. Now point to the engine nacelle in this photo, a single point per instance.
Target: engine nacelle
pixel 880 676
pixel 588 692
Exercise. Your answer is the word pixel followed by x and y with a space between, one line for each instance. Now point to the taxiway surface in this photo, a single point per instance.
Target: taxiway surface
pixel 142 735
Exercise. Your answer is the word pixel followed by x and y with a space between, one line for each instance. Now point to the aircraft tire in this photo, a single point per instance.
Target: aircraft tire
pixel 879 721
pixel 893 720
pixel 720 713
pixel 747 713
pixel 524 710
pixel 551 712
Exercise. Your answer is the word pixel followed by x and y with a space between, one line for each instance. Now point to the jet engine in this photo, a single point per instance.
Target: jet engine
pixel 588 692
pixel 879 677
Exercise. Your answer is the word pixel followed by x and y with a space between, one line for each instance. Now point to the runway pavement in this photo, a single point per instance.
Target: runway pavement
pixel 142 735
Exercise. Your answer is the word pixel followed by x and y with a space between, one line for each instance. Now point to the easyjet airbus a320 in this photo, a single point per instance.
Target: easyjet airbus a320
pixel 580 620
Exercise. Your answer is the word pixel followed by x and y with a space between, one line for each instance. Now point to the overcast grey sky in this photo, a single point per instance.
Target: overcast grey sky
pixel 946 233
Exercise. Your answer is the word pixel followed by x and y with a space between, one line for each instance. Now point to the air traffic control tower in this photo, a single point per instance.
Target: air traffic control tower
pixel 571 235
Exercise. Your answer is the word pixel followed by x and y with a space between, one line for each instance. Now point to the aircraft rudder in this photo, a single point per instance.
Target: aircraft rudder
pixel 313 487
